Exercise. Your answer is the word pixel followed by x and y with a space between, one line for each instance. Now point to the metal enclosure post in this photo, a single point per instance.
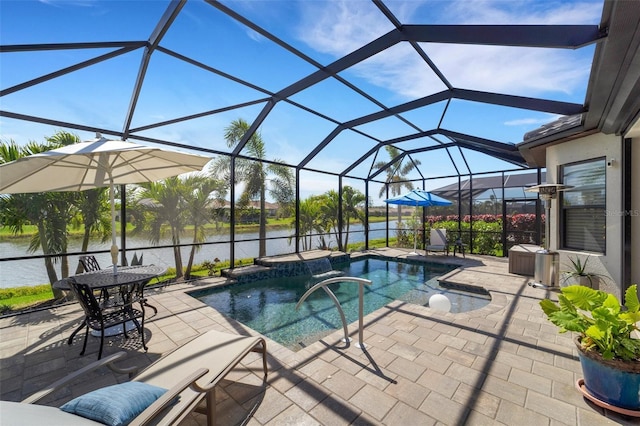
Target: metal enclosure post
pixel 123 225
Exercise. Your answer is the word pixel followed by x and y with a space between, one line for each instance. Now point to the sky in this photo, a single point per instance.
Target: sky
pixel 323 31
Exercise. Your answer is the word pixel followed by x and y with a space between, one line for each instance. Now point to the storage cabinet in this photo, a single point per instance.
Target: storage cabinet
pixel 522 259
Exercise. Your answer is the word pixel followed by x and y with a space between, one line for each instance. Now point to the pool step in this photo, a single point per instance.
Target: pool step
pixel 281 266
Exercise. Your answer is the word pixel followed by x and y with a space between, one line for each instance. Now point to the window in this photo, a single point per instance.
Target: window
pixel 583 207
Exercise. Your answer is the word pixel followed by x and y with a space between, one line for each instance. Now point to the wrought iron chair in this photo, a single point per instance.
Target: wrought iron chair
pixel 137 261
pixel 99 318
pixel 89 263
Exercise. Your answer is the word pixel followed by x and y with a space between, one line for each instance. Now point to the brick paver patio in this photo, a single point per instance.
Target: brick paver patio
pixel 502 364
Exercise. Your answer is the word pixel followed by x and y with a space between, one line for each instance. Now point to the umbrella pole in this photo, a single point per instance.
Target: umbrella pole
pixel 415 233
pixel 114 246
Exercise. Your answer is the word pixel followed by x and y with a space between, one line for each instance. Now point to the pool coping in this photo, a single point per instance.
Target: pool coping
pixel 497 303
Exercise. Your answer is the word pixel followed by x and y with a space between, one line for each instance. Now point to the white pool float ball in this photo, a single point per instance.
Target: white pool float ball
pixel 440 302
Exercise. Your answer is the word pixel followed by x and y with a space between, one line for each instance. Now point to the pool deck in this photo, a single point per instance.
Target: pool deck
pixel 502 364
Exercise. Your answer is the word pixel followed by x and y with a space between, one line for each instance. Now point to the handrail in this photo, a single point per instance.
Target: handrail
pixel 361 283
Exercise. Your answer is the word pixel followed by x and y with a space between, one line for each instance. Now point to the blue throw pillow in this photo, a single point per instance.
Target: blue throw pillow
pixel 115 405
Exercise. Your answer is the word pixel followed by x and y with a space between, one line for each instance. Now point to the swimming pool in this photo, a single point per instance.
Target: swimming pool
pixel 268 306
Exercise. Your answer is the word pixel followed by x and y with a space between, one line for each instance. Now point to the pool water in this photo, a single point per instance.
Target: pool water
pixel 268 306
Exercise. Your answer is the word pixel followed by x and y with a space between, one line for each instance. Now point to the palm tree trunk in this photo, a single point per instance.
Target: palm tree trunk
pixel 48 263
pixel 85 245
pixel 346 235
pixel 64 262
pixel 176 253
pixel 263 223
pixel 338 239
pixel 192 254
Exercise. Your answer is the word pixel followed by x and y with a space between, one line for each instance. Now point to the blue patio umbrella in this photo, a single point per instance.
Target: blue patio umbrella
pixel 418 198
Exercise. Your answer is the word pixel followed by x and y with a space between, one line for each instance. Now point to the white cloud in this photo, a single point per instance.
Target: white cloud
pixel 531 121
pixel 548 12
pixel 339 27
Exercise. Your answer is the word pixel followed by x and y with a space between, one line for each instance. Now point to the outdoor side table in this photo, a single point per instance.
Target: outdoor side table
pixel 459 247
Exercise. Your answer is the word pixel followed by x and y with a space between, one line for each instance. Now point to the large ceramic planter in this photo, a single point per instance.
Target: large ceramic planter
pixel 583 280
pixel 614 382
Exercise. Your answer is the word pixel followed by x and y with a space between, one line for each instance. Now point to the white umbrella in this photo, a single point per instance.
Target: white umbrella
pixel 94 164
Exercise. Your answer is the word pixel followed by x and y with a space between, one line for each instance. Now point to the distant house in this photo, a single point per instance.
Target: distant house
pixel 271 208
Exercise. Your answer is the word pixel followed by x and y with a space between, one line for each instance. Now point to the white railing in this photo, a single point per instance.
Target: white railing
pixel 323 285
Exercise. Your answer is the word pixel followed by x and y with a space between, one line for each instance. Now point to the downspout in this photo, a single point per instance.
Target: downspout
pixel 626 217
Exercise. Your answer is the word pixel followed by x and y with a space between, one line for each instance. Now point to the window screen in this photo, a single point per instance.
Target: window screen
pixel 583 207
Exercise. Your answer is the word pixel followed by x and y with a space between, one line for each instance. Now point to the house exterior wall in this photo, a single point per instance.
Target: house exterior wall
pixel 635 211
pixel 609 264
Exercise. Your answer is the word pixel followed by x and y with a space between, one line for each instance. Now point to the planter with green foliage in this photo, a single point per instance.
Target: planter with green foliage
pixel 577 273
pixel 608 340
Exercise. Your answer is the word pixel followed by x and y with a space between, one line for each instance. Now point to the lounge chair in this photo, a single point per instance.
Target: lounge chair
pixel 193 370
pixel 438 241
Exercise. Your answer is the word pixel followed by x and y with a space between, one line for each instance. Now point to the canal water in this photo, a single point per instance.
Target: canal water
pixel 32 271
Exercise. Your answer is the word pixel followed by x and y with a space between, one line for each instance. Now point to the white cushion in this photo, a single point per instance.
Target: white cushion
pixel 19 414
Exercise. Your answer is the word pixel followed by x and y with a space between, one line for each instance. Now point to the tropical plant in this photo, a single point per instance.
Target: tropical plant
pixel 602 323
pixel 94 216
pixel 396 174
pixel 308 220
pixel 352 208
pixel 578 269
pixel 329 222
pixel 257 176
pixel 50 212
pixel 198 189
pixel 165 209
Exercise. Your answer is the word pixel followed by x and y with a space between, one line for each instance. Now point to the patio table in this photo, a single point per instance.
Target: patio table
pixel 104 279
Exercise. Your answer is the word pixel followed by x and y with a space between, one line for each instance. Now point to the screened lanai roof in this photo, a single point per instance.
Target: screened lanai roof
pixel 514 185
pixel 328 84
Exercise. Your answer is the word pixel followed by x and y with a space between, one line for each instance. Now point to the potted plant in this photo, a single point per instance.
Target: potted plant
pixel 577 274
pixel 607 338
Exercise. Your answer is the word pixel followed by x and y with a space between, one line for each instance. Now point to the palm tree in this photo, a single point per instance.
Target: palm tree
pixel 308 220
pixel 198 207
pixel 396 176
pixel 49 212
pixel 351 200
pixel 329 207
pixel 254 174
pixel 166 209
pixel 95 215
